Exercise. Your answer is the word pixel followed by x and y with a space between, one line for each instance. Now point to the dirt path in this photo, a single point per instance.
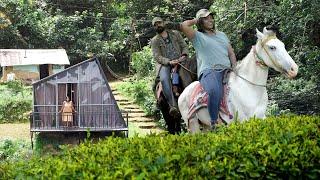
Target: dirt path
pixel 138 122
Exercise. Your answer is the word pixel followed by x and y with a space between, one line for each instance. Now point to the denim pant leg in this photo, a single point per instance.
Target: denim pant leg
pixel 166 85
pixel 175 78
pixel 211 80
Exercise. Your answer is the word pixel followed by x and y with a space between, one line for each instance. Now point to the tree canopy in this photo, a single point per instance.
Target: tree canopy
pixel 113 30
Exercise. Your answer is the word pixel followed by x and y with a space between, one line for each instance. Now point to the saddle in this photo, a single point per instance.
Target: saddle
pixel 199 99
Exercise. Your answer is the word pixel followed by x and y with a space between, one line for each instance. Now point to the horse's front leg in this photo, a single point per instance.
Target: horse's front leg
pixel 204 118
pixel 193 125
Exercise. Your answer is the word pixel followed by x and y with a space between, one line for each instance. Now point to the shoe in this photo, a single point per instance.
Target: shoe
pixel 174 112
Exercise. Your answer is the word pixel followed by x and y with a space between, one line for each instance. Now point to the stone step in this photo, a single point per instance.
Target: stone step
pixel 141 121
pixel 140 118
pixel 133 111
pixel 149 123
pixel 148 127
pixel 134 116
pixel 125 103
pixel 132 106
pixel 122 100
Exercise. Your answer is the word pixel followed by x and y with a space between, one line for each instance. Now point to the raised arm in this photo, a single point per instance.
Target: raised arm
pixel 186 28
pixel 232 56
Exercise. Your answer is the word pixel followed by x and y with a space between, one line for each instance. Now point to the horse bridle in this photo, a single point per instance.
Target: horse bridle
pixel 260 60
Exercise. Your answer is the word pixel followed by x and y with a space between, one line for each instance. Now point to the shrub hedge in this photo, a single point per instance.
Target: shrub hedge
pixel 15 102
pixel 14 150
pixel 275 148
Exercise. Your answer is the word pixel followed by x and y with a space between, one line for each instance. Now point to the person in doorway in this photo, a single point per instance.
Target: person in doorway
pixel 214 55
pixel 168 48
pixel 67 111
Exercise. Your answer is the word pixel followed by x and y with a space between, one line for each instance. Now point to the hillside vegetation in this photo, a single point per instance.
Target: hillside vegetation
pixel 118 33
pixel 275 148
pixel 15 102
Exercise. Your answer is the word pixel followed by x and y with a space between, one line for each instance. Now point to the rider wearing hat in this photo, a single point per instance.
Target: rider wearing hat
pixel 168 48
pixel 214 54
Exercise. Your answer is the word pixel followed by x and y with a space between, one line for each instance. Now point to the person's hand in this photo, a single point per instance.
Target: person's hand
pixel 174 62
pixel 196 20
pixel 182 58
pixel 233 66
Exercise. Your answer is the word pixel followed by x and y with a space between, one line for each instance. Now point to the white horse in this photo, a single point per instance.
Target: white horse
pixel 247 95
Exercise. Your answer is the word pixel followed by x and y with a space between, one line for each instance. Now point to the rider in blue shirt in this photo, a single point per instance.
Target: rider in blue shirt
pixel 214 54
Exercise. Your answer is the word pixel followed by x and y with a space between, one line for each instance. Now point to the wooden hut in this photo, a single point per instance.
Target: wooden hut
pixel 32 64
pixel 88 88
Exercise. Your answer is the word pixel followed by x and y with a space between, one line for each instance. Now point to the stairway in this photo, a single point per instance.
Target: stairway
pixel 138 122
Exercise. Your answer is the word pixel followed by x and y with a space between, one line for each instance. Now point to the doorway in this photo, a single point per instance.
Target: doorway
pixel 70 90
pixel 44 70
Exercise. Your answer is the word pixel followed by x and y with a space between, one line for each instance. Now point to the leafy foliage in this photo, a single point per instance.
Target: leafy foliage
pixel 141 93
pixel 86 28
pixel 15 102
pixel 13 150
pixel 274 148
pixel 143 63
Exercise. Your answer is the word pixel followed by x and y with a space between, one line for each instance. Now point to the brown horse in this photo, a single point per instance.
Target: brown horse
pixel 187 74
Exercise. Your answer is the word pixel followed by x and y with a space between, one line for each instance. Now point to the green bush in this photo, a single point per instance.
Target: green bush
pixel 15 102
pixel 299 96
pixel 143 63
pixel 13 150
pixel 274 148
pixel 140 91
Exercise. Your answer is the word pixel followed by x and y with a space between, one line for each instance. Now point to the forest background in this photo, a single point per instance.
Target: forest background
pixel 118 33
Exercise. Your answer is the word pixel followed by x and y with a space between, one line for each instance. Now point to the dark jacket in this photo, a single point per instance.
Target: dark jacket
pixel 159 48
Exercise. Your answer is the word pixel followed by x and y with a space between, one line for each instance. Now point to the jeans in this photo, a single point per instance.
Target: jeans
pixel 211 81
pixel 166 85
pixel 175 78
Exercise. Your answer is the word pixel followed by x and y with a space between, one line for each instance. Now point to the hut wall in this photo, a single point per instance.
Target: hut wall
pixel 92 97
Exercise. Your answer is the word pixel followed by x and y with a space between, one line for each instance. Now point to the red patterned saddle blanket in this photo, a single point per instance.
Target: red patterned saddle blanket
pixel 199 99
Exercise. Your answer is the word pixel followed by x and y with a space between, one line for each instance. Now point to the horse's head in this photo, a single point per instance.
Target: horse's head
pixel 273 53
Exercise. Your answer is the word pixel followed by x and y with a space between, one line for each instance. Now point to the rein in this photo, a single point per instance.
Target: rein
pixel 248 80
pixel 259 60
pixel 228 68
pixel 252 83
pixel 187 69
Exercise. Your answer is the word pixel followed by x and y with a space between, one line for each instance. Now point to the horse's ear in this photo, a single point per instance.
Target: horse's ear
pixel 259 34
pixel 268 32
pixel 265 30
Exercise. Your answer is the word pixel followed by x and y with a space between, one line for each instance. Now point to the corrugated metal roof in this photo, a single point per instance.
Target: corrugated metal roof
pixel 13 57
